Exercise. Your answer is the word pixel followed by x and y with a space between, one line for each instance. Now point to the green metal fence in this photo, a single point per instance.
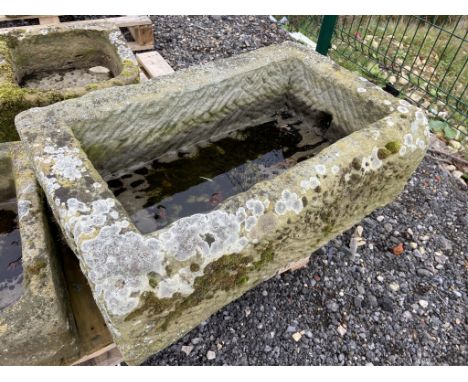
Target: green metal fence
pixel 421 58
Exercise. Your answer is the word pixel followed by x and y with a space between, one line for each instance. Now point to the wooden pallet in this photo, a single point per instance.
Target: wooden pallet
pixel 140 27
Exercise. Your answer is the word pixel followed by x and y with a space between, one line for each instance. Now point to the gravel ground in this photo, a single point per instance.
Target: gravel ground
pixel 378 306
pixel 188 40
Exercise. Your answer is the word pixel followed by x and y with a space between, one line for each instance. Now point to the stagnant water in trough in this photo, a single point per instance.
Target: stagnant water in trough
pixel 11 268
pixel 161 192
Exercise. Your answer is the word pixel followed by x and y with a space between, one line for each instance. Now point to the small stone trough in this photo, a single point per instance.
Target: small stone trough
pixel 42 66
pixel 36 326
pixel 153 288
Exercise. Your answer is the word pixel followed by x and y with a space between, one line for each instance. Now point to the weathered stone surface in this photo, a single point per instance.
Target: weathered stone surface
pixel 37 329
pixel 57 47
pixel 153 288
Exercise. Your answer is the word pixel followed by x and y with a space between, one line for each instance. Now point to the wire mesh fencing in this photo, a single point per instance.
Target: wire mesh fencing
pixel 421 58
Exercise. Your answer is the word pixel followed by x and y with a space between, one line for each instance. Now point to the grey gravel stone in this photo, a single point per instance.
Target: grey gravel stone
pixel 424 272
pixel 210 355
pixel 333 306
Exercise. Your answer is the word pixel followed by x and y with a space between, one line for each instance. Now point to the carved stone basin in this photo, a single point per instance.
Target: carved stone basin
pixel 153 288
pixel 62 54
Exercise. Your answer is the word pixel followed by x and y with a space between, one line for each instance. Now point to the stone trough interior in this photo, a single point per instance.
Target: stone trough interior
pixel 189 165
pixel 11 270
pixel 200 176
pixel 62 60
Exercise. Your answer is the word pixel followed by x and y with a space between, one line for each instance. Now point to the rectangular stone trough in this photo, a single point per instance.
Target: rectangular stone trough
pixel 36 326
pixel 58 55
pixel 153 288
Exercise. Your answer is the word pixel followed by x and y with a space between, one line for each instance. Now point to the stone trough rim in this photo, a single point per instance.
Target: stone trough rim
pixel 37 257
pixel 400 118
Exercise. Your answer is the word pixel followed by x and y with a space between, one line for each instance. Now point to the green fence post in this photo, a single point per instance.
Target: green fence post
pixel 326 33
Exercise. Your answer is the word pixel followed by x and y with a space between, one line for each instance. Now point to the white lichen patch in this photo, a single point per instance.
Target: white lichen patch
pixel 404 103
pixel 289 201
pixel 66 163
pixel 256 206
pixel 320 169
pixel 335 169
pixel 23 208
pixel 311 183
pixel 402 151
pixel 420 116
pixel 250 223
pixel 182 282
pixel 241 215
pixel 402 109
pixel 361 90
pixel 409 142
pixel 387 102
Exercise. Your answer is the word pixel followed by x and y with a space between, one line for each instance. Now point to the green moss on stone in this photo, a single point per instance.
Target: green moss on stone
pixel 243 280
pixel 153 279
pixel 130 70
pixel 224 274
pixel 327 229
pixel 393 147
pixel 383 153
pixel 266 257
pixel 36 266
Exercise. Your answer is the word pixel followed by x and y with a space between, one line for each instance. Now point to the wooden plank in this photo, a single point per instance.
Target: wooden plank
pixel 130 21
pixel 107 356
pixel 154 64
pixel 92 330
pixel 135 47
pixel 44 20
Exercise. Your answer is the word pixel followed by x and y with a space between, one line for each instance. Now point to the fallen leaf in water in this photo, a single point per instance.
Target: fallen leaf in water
pixel 216 198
